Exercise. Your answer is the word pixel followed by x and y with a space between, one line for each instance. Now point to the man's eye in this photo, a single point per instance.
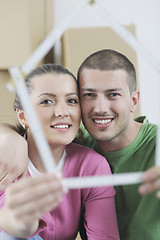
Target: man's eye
pixel 46 101
pixel 88 95
pixel 113 94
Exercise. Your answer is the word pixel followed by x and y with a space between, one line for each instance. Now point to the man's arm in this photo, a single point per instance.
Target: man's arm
pixel 13 156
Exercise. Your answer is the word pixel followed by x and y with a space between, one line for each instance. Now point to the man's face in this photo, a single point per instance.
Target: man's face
pixel 106 103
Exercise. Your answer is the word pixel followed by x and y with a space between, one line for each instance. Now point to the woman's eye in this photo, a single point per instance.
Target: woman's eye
pixel 73 101
pixel 46 101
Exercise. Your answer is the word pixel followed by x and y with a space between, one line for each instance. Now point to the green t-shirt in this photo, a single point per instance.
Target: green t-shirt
pixel 138 216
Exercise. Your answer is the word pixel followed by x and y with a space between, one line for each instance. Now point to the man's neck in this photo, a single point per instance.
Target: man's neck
pixel 122 141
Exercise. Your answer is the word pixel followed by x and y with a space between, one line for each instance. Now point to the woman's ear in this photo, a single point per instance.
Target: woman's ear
pixel 22 119
pixel 134 100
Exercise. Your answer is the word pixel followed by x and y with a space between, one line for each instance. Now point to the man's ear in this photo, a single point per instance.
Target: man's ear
pixel 22 119
pixel 134 100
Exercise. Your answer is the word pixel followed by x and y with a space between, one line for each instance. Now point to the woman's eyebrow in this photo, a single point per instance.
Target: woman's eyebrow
pixel 70 94
pixel 54 95
pixel 47 94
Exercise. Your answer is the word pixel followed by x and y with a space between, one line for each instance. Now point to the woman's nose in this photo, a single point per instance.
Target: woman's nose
pixel 61 111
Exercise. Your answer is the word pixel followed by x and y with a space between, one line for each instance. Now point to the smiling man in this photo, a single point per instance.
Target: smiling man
pixel 107 85
pixel 107 107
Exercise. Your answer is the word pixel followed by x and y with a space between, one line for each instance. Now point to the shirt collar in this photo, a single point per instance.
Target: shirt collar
pixel 33 170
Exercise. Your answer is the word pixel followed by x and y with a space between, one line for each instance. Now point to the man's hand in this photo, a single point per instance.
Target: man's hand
pixel 13 156
pixel 151 179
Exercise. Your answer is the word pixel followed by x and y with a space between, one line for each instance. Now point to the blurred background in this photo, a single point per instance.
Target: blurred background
pixel 24 25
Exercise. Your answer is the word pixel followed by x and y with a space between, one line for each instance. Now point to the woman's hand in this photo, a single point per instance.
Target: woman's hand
pixel 13 156
pixel 27 201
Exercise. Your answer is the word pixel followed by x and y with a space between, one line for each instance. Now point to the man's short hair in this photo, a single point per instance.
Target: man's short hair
pixel 110 60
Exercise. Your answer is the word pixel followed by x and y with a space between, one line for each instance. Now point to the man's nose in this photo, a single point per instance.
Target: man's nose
pixel 101 104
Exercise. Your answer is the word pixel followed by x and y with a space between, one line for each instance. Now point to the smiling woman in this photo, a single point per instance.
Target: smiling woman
pixel 38 205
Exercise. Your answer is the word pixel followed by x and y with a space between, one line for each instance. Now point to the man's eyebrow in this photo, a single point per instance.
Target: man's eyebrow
pixel 113 89
pixel 107 90
pixel 88 89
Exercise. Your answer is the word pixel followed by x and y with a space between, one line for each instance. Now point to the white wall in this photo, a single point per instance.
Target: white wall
pixel 145 15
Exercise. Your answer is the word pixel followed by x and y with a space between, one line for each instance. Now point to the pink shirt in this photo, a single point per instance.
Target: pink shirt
pixel 90 210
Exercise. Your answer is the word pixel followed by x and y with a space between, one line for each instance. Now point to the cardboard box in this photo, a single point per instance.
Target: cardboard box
pixel 7 114
pixel 23 25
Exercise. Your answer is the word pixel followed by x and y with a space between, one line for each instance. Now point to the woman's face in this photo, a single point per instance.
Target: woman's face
pixel 56 102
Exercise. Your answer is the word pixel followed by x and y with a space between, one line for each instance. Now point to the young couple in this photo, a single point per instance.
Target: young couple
pixel 108 97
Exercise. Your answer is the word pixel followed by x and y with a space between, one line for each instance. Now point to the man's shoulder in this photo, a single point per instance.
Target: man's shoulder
pixel 147 134
pixel 147 125
pixel 141 119
pixel 144 120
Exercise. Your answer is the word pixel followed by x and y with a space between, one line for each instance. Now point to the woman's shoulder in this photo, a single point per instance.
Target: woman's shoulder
pixel 87 159
pixel 76 148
